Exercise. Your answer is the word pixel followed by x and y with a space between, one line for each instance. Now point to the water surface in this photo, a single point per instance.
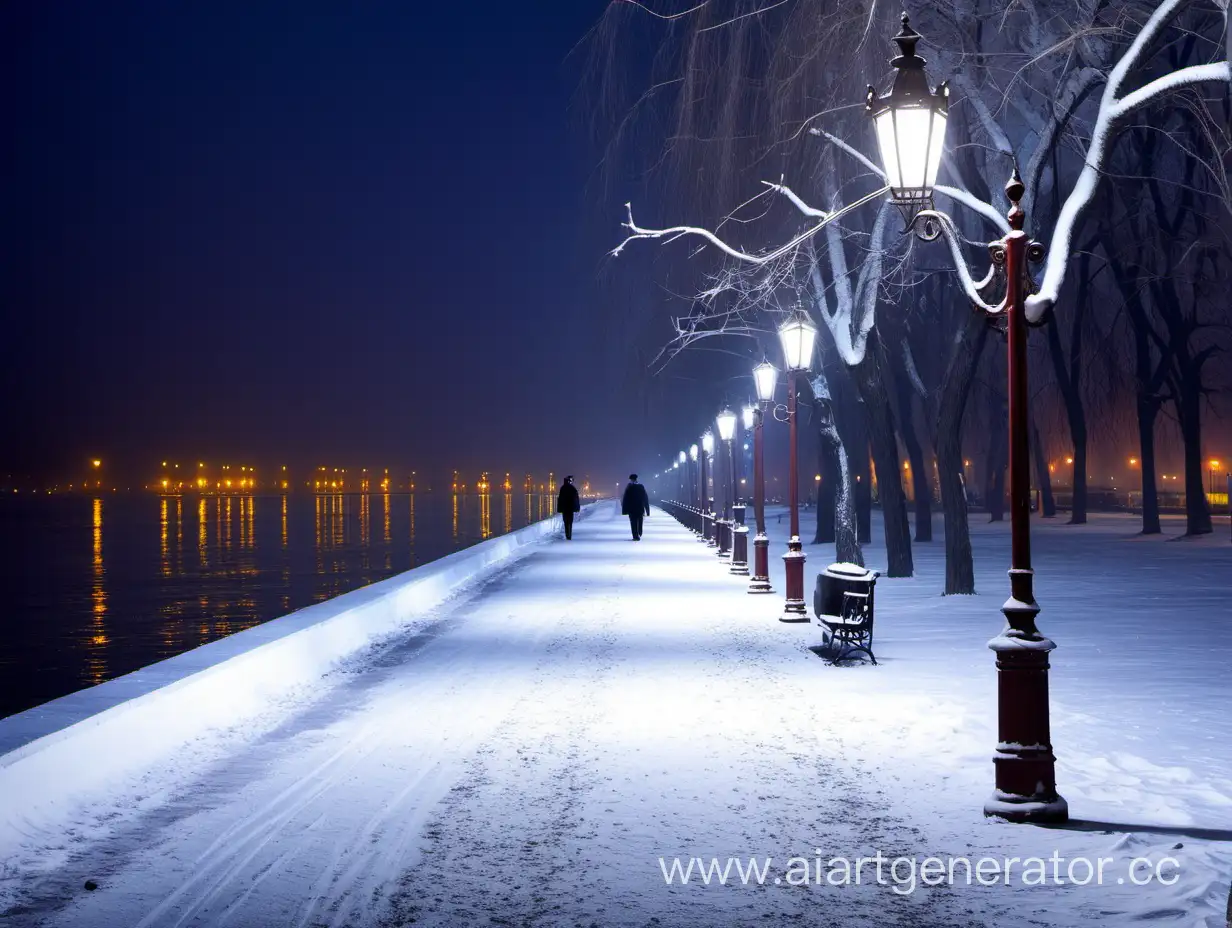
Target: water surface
pixel 95 587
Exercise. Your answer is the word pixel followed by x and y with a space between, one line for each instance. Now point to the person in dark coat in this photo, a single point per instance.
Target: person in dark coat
pixel 567 503
pixel 636 505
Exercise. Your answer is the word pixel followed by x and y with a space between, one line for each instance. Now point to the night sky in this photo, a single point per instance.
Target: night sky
pixel 309 232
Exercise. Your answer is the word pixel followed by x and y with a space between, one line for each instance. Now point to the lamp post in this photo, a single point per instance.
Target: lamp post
pixel 910 126
pixel 726 421
pixel 764 378
pixel 683 463
pixel 740 531
pixel 707 502
pixel 797 336
pixel 693 458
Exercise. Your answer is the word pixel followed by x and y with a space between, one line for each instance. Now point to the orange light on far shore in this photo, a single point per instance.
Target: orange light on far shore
pixel 1069 460
pixel 1133 461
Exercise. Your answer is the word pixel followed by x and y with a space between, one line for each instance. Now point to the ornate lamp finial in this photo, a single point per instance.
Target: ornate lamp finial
pixel 906 40
pixel 1014 190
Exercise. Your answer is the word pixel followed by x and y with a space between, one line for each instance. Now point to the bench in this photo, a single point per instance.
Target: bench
pixel 843 601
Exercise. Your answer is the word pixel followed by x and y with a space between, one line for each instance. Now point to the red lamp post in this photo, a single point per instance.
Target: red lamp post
pixel 740 531
pixel 708 520
pixel 764 377
pixel 693 488
pixel 910 122
pixel 726 421
pixel 797 336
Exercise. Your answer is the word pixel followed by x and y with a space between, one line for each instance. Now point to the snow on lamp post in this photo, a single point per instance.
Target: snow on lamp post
pixel 726 421
pixel 797 336
pixel 708 527
pixel 764 379
pixel 910 124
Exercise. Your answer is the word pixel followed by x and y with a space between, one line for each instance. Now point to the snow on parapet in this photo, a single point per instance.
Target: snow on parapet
pixel 177 711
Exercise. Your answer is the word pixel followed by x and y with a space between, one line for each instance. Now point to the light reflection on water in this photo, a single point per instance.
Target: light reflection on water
pixel 102 586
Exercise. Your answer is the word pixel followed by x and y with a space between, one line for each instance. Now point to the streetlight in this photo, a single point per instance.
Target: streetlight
pixel 910 124
pixel 764 379
pixel 726 421
pixel 707 502
pixel 683 461
pixel 693 458
pixel 1213 466
pixel 797 336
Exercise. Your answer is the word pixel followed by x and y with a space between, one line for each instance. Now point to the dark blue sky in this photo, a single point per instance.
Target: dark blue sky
pixel 309 231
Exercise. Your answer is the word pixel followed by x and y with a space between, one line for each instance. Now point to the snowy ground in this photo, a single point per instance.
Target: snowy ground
pixel 530 756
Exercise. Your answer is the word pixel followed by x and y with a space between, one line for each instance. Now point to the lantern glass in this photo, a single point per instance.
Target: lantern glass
pixel 693 452
pixel 675 465
pixel 764 377
pixel 746 416
pixel 682 457
pixel 797 336
pixel 910 139
pixel 708 442
pixel 727 424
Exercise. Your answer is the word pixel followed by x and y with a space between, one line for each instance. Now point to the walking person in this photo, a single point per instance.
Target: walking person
pixel 636 505
pixel 567 503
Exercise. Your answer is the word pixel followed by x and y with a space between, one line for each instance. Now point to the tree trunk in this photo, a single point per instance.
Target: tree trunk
pixel 828 467
pixel 836 481
pixel 996 483
pixel 1069 382
pixel 1148 407
pixel 953 392
pixel 863 497
pixel 880 417
pixel 993 484
pixel 1048 505
pixel 921 486
pixel 855 440
pixel 1197 512
pixel 1078 507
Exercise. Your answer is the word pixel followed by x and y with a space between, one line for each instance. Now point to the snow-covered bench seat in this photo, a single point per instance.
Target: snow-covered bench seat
pixel 843 601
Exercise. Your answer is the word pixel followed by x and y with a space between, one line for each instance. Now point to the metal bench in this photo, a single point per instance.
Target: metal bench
pixel 843 600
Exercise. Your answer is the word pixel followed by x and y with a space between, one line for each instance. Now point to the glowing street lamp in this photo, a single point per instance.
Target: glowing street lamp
pixel 910 126
pixel 797 336
pixel 707 500
pixel 765 378
pixel 692 484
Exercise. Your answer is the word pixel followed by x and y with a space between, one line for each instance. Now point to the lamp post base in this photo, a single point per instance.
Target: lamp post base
pixel 760 581
pixel 794 609
pixel 740 551
pixel 1026 779
pixel 724 533
pixel 1027 809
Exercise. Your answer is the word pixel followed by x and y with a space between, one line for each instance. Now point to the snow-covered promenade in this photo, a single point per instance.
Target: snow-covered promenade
pixel 538 748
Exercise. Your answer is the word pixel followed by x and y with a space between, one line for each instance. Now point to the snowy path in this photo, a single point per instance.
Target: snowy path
pixel 598 705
